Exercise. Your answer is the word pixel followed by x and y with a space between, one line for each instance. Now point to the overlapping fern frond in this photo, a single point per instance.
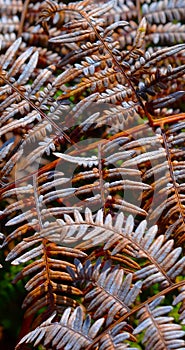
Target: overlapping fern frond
pixel 92 170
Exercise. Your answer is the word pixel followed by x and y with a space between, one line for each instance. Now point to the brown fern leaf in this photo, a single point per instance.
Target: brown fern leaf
pixel 92 126
pixel 72 332
pixel 165 262
pixel 153 319
pixel 107 293
pixel 70 326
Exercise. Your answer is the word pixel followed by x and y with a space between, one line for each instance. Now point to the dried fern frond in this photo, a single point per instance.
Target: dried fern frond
pixel 162 11
pixel 160 331
pixel 171 182
pixel 180 299
pixel 165 262
pixel 108 293
pixel 71 331
pixel 92 126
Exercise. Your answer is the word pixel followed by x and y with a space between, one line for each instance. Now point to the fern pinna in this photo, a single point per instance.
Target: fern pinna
pixel 92 171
